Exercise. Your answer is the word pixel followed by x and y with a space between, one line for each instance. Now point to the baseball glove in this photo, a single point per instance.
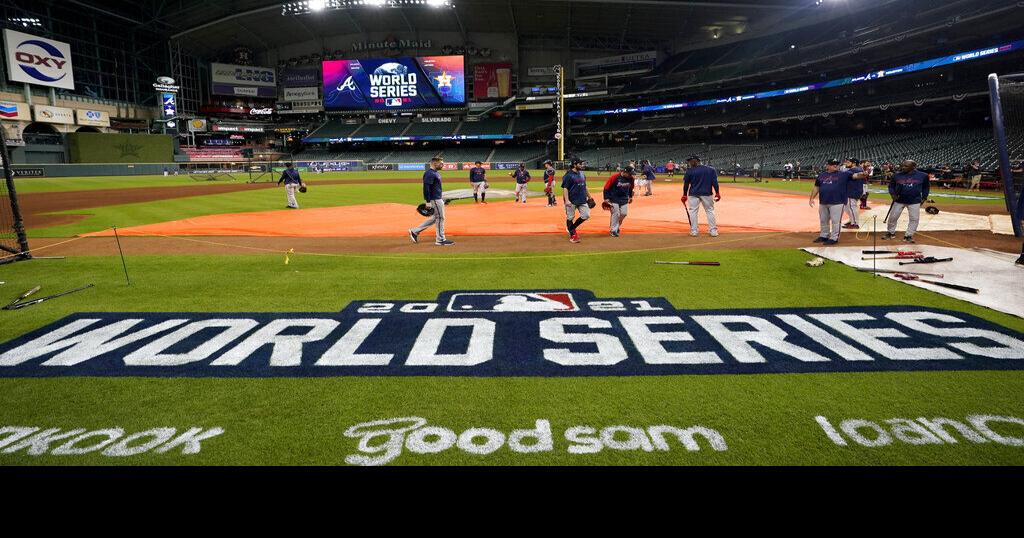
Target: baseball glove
pixel 591 203
pixel 425 210
pixel 303 189
pixel 606 205
pixel 932 210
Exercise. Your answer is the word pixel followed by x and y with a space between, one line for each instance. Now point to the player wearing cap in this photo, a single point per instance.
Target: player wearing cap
pixel 478 179
pixel 618 193
pixel 854 190
pixel 831 190
pixel 649 178
pixel 522 177
pixel 670 167
pixel 434 196
pixel 698 184
pixel 908 189
pixel 575 196
pixel 549 183
pixel 292 182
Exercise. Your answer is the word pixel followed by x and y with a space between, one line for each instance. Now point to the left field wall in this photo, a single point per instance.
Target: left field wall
pixel 120 148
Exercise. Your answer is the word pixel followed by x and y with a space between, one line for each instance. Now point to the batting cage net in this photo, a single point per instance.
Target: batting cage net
pixel 1007 96
pixel 13 242
pixel 738 161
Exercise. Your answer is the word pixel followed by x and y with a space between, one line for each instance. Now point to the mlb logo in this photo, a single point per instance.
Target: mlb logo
pixel 394 101
pixel 513 302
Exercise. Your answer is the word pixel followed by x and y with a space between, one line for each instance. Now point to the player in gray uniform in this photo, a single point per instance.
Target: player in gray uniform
pixel 576 197
pixel 292 182
pixel 522 177
pixel 478 179
pixel 434 196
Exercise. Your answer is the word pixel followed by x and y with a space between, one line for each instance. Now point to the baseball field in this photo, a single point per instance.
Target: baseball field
pixel 255 335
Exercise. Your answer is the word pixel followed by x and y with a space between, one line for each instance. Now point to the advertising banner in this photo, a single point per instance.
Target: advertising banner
pixel 505 166
pixel 492 81
pixel 15 111
pixel 394 83
pixel 197 125
pixel 94 118
pixel 467 166
pixel 54 114
pixel 40 61
pixel 309 93
pixel 242 75
pixel 380 166
pixel 299 77
pixel 28 172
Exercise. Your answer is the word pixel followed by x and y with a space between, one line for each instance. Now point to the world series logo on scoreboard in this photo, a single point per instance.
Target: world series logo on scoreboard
pixel 394 83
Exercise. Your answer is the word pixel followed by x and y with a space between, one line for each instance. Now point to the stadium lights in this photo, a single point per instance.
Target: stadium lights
pixel 304 7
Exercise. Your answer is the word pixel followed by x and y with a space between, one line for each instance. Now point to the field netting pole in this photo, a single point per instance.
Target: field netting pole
pixel 12 195
pixel 1014 86
pixel 560 111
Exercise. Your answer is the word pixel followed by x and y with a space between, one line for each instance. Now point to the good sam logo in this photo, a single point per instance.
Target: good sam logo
pixel 513 333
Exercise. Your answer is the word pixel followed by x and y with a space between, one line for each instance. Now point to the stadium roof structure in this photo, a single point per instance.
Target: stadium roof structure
pixel 207 28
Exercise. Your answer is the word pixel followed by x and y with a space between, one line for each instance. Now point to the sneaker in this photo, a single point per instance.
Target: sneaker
pixel 820 239
pixel 908 239
pixel 694 234
pixel 445 243
pixel 714 234
pixel 829 242
pixel 414 236
pixel 1020 261
pixel 575 238
pixel 851 226
pixel 888 236
pixel 614 234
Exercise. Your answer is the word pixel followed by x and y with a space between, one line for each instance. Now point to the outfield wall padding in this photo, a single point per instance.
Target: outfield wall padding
pixel 120 148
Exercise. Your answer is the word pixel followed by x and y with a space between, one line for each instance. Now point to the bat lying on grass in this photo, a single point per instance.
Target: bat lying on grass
pixel 710 264
pixel 890 271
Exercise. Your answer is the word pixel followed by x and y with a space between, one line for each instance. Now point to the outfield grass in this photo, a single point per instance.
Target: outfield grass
pixel 767 419
pixel 805 186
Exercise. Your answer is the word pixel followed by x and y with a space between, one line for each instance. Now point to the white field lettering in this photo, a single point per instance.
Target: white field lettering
pixel 973 429
pixel 414 337
pixel 383 441
pixel 113 442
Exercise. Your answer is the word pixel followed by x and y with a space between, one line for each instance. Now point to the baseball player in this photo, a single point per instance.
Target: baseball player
pixel 433 195
pixel 908 189
pixel 698 183
pixel 522 176
pixel 478 179
pixel 670 167
pixel 292 182
pixel 618 192
pixel 575 196
pixel 831 190
pixel 649 178
pixel 549 183
pixel 854 190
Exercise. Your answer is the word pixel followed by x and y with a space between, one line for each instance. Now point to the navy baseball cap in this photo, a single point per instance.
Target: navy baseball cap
pixel 576 161
pixel 629 170
pixel 693 158
pixel 833 161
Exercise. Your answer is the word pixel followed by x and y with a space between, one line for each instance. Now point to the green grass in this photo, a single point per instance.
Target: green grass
pixel 766 419
pixel 805 186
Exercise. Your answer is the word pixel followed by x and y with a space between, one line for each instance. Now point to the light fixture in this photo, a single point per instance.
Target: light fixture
pixel 304 7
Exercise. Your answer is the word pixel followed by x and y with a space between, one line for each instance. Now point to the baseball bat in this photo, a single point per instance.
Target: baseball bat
pixel 23 296
pixel 897 257
pixel 929 259
pixel 710 264
pixel 890 271
pixel 952 286
pixel 17 306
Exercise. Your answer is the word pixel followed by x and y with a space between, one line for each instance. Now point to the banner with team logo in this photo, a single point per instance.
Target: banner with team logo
pixel 93 118
pixel 36 60
pixel 243 80
pixel 197 125
pixel 394 83
pixel 54 114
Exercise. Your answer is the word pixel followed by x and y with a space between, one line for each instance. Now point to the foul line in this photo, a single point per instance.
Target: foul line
pixel 471 258
pixel 30 251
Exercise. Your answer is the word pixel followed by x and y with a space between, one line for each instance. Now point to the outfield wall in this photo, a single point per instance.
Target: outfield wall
pixel 120 148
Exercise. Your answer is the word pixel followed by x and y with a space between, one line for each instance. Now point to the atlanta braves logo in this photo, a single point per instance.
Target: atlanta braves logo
pixel 348 85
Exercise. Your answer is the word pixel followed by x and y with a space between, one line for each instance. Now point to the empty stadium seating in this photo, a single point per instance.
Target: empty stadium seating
pixel 212 153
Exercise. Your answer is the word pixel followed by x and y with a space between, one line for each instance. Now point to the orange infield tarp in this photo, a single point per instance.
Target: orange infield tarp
pixel 741 210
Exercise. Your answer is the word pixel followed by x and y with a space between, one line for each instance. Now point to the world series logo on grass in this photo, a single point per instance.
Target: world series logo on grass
pixel 513 333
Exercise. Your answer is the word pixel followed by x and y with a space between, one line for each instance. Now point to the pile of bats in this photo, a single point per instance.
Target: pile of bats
pixel 911 257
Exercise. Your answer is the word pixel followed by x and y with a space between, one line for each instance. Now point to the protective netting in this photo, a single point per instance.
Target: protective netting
pixel 1011 95
pixel 9 230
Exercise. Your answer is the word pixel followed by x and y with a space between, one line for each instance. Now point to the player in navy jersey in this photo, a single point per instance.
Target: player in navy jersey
pixel 292 182
pixel 649 178
pixel 433 194
pixel 854 190
pixel 549 182
pixel 831 188
pixel 698 184
pixel 522 177
pixel 908 188
pixel 575 195
pixel 618 192
pixel 478 179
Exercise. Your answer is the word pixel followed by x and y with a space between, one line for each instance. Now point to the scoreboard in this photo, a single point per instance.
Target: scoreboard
pixel 395 83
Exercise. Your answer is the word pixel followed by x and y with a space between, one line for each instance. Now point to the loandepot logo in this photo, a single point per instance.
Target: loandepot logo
pixel 41 60
pixel 129 150
pixel 513 333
